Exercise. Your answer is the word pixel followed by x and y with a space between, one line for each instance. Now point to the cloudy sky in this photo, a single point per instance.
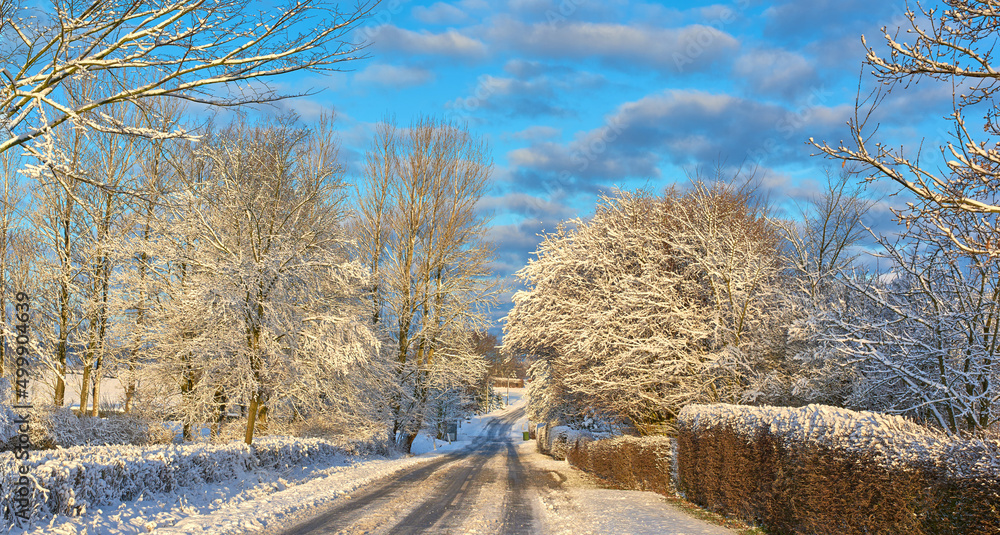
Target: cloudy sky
pixel 578 97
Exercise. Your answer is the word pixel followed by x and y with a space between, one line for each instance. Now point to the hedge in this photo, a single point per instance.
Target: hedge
pixel 825 470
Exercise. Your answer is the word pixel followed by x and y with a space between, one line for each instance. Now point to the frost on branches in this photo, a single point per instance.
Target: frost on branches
pixel 219 52
pixel 951 48
pixel 922 338
pixel 260 303
pixel 652 304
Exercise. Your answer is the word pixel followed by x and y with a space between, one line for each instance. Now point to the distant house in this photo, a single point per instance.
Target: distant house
pixel 502 382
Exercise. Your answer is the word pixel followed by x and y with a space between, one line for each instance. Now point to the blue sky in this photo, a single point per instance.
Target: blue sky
pixel 578 97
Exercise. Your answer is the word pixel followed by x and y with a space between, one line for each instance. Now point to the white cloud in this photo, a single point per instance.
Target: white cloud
pixel 440 13
pixel 449 43
pixel 394 76
pixel 776 72
pixel 537 132
pixel 473 4
pixel 690 48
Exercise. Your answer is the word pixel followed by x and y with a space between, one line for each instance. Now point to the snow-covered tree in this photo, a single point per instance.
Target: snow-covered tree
pixel 424 242
pixel 822 247
pixel 57 226
pixel 132 302
pixel 261 303
pixel 80 224
pixel 921 339
pixel 651 304
pixel 110 159
pixel 922 336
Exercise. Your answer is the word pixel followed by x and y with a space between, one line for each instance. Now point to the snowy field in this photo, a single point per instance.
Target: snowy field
pixel 259 499
pixel 112 391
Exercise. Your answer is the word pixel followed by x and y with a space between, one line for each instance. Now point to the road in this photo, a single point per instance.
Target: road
pixel 498 485
pixel 482 488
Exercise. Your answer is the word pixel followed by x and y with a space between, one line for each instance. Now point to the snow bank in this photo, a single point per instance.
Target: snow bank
pixel 71 480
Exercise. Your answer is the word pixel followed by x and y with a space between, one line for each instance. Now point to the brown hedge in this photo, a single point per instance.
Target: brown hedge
pixel 818 489
pixel 637 463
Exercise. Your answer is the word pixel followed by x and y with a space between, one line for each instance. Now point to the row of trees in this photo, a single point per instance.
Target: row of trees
pixel 229 272
pixel 214 267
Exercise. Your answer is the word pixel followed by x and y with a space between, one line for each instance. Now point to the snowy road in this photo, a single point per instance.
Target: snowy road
pixel 480 489
pixel 497 485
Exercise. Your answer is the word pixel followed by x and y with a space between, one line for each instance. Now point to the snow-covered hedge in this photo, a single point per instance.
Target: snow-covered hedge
pixel 820 469
pixel 70 480
pixel 60 427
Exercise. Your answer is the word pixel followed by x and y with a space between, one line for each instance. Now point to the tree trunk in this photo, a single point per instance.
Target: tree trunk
pixel 95 395
pixel 84 390
pixel 408 442
pixel 187 387
pixel 221 399
pixel 64 264
pixel 130 387
pixel 262 418
pixel 60 391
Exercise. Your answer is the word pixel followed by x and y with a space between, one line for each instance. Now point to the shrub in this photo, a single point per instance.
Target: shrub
pixel 71 480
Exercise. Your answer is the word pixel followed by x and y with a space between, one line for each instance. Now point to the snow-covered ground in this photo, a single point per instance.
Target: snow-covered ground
pixel 260 499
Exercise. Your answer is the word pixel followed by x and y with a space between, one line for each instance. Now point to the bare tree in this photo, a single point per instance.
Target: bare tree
pixel 57 223
pixel 424 240
pixel 12 214
pixel 218 53
pixel 952 46
pixel 830 226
